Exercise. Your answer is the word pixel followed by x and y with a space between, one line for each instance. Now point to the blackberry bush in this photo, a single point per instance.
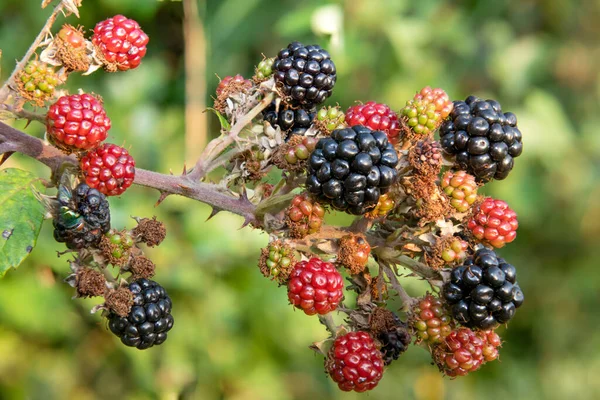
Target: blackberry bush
pixel 280 164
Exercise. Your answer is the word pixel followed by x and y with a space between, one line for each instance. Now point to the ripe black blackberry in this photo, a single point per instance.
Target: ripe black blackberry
pixel 81 216
pixel 394 342
pixel 483 291
pixel 352 168
pixel 306 74
pixel 293 122
pixel 484 139
pixel 149 319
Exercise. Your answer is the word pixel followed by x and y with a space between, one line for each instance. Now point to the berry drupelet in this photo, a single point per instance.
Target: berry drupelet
pixel 352 168
pixel 305 74
pixel 484 140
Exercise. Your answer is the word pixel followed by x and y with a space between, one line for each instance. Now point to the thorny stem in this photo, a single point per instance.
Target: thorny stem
pixel 5 90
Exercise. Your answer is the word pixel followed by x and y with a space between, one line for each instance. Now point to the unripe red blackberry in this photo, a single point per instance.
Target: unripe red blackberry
pixel 121 41
pixel 304 216
pixel 315 286
pixel 491 342
pixel 431 321
pixel 108 168
pixel 426 111
pixel 276 261
pixel 36 82
pixel 461 188
pixel 494 223
pixel 77 122
pixel 354 362
pixel 376 116
pixel 329 119
pixel 460 353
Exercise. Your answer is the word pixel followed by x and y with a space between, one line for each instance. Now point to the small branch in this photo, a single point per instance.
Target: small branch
pixel 23 114
pixel 5 90
pixel 12 139
pixel 218 145
pixel 327 320
pixel 407 301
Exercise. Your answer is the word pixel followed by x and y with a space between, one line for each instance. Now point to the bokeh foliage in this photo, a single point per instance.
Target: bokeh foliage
pixel 235 336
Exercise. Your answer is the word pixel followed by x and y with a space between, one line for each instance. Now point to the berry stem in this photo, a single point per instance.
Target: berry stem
pixel 407 300
pixel 22 113
pixel 207 162
pixel 327 320
pixel 10 82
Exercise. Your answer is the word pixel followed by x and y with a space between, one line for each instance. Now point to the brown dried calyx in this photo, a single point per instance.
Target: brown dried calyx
pixel 382 320
pixel 119 301
pixel 89 283
pixel 430 204
pixel 354 252
pixel 426 158
pixel 71 49
pixel 150 231
pixel 142 267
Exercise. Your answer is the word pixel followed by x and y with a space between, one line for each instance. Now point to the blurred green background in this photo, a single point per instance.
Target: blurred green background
pixel 235 336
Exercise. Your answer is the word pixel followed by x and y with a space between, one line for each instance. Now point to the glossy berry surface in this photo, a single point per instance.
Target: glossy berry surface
pixel 264 69
pixel 461 188
pixel 354 362
pixel 77 122
pixel 483 292
pixel 305 74
pixel 494 223
pixel 315 287
pixel 352 168
pixel 121 41
pixel 328 119
pixel 377 117
pixel 108 168
pixel 484 139
pixel 394 342
pixel 431 321
pixel 81 216
pixel 460 353
pixel 149 319
pixel 291 121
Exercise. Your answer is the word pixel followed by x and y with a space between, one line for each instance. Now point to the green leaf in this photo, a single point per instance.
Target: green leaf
pixel 224 123
pixel 21 216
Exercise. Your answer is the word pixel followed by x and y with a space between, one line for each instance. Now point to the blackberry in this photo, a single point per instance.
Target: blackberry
pixel 352 168
pixel 483 291
pixel 305 74
pixel 293 122
pixel 394 342
pixel 150 318
pixel 484 139
pixel 81 216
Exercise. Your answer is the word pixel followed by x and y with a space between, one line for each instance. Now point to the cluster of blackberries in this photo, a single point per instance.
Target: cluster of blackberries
pixel 483 291
pixel 305 74
pixel 352 168
pixel 484 139
pixel 290 121
pixel 81 216
pixel 150 317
